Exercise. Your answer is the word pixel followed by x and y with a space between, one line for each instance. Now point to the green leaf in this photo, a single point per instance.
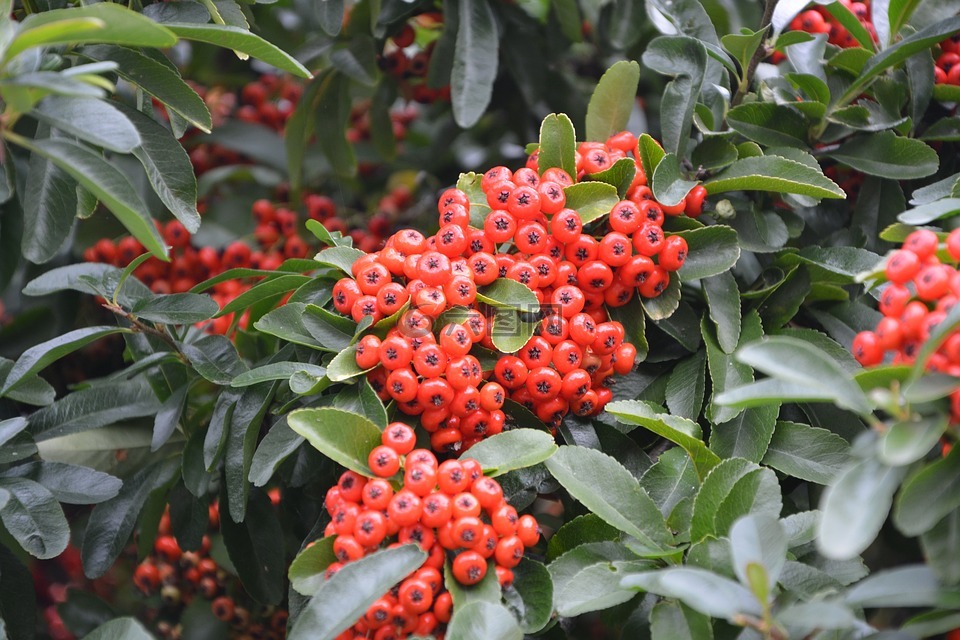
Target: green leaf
pixel 580 531
pixel 798 362
pixel 851 23
pixel 106 23
pixel 855 507
pixel 168 417
pixel 333 331
pixel 344 365
pixel 331 118
pixel 286 323
pixel 926 213
pixel 307 571
pixel 710 251
pixel 596 587
pixel 558 144
pixel 531 597
pixel 240 40
pixel 49 207
pixel 241 440
pixel 619 175
pixel 919 41
pixel 681 431
pixel 176 308
pixel 484 621
pixel 33 517
pixel 612 101
pixel 758 538
pixel 103 180
pixel 276 371
pixel 96 121
pixel 168 169
pixel 747 436
pixel 677 622
pixel 255 549
pixel 725 371
pixel 95 407
pixel 651 153
pixel 344 437
pixel 668 185
pixel 509 332
pixel 714 154
pixel 672 478
pixel 265 290
pixel 774 173
pixel 474 61
pixel 888 155
pixel 279 444
pixel 510 450
pixel 610 491
pixel 157 79
pixel 685 59
pixel 592 200
pixel 37 358
pixel 120 629
pixel 942 542
pixel 340 257
pixel 720 484
pixel 509 294
pixel 742 46
pixel 701 590
pixel 928 495
pixel 723 302
pixel 686 386
pixel 344 598
pixel 112 522
pixel 805 452
pixel 905 586
pixel 69 483
pixel 215 358
pixel 907 441
pixel 770 124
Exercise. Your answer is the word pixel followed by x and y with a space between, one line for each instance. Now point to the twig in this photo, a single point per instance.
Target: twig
pixel 141 327
pixel 758 55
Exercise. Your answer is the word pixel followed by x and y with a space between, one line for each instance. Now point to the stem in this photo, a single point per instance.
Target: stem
pixel 141 327
pixel 758 55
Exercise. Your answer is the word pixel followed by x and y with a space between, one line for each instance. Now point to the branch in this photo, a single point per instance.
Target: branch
pixel 758 55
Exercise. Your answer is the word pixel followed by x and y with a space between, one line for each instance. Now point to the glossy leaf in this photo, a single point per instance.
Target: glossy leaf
pixel 105 182
pixel 928 495
pixel 668 184
pixel 509 294
pixel 701 590
pixel 511 450
pixel 770 124
pixel 610 491
pixel 685 433
pixel 592 200
pixel 32 516
pixel 120 629
pixel 887 155
pixel 475 61
pixel 346 438
pixel 612 100
pixel 558 144
pixel 855 507
pixel 96 121
pixel 343 599
pixel 684 59
pixel 484 621
pixel 240 40
pixel 806 452
pixel 774 173
pixel 711 251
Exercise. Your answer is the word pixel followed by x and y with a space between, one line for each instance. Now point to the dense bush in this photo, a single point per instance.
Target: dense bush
pixel 479 319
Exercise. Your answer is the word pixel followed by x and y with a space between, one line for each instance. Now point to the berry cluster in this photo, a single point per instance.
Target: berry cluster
pixel 276 240
pixel 179 577
pixel 575 274
pixel 408 62
pixel 920 293
pixel 819 20
pixel 450 509
pixel 947 69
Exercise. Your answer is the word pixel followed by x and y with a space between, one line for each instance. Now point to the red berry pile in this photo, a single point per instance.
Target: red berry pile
pixel 408 62
pixel 819 20
pixel 920 293
pixel 947 69
pixel 450 509
pixel 180 577
pixel 277 239
pixel 531 237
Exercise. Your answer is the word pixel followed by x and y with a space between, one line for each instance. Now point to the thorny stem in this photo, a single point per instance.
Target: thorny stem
pixel 758 55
